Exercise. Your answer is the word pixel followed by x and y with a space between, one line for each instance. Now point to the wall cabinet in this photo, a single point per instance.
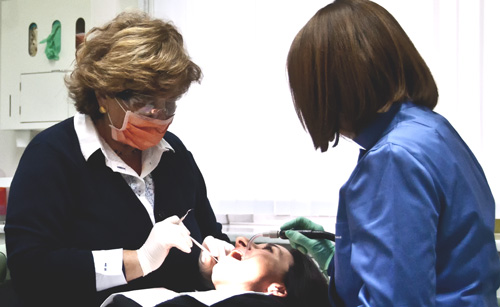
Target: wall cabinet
pixel 43 98
pixel 32 90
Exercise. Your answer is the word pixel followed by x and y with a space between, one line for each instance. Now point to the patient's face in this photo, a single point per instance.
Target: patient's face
pixel 260 266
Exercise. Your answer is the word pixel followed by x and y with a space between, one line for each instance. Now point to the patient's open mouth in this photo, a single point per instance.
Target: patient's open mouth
pixel 236 254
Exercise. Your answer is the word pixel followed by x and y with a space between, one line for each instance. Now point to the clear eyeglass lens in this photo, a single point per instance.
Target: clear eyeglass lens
pixel 151 111
pixel 141 100
pixel 150 106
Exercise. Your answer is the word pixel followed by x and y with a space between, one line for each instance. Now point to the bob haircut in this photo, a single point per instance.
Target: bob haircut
pixel 304 282
pixel 133 53
pixel 348 62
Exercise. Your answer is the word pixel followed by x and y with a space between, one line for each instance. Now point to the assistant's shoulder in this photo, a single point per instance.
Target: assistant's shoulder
pixel 420 125
pixel 421 132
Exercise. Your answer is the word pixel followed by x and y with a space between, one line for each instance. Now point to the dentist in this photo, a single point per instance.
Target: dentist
pixel 95 202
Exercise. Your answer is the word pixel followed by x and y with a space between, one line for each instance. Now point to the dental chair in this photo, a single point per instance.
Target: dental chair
pixel 6 291
pixel 4 272
pixel 3 264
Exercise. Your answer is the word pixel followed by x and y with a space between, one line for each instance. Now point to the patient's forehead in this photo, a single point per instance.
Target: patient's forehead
pixel 275 248
pixel 283 250
pixel 281 253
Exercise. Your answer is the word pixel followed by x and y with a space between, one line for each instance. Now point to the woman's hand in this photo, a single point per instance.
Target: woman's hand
pixel 164 235
pixel 218 249
pixel 321 250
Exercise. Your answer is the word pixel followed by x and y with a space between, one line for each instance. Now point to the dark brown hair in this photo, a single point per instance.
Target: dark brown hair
pixel 133 53
pixel 347 63
pixel 304 282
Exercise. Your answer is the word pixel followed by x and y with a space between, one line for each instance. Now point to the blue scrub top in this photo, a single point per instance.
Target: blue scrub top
pixel 415 219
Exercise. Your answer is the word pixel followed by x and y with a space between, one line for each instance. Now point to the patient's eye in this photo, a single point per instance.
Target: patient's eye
pixel 269 247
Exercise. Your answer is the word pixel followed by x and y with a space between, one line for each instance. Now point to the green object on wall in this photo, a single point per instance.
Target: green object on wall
pixel 53 41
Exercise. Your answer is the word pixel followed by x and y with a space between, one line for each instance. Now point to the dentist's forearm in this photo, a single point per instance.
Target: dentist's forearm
pixel 132 266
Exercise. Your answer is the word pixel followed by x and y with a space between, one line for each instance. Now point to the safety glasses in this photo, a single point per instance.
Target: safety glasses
pixel 149 106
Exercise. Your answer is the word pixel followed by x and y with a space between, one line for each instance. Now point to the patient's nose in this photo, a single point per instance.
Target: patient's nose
pixel 241 242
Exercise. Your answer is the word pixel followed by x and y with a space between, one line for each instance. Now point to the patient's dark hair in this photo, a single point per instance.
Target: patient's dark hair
pixel 304 282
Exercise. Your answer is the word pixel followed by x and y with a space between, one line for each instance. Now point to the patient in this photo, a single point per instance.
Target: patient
pixel 266 275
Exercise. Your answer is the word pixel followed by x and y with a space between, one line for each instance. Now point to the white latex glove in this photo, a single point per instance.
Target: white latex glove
pixel 218 249
pixel 164 235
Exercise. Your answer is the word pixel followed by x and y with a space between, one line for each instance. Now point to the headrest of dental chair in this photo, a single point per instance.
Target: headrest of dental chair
pixel 3 263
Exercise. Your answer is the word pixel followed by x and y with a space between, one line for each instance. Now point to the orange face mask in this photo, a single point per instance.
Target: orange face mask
pixel 140 132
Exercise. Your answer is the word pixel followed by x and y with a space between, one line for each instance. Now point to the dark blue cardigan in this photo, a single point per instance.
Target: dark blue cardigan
pixel 62 207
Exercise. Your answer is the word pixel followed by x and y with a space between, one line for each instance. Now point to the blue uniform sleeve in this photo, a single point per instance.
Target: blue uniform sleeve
pixel 393 210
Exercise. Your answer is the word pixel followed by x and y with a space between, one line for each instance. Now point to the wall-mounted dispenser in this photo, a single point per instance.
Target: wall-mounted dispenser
pixel 32 39
pixel 32 90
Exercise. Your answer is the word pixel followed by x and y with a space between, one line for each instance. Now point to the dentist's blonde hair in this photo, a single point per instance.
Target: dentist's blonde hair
pixel 133 53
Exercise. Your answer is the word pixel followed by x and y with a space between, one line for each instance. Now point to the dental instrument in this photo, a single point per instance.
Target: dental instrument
pixel 184 216
pixel 311 234
pixel 203 248
pixel 255 236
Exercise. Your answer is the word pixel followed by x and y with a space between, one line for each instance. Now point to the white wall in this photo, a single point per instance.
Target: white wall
pixel 240 123
pixel 9 155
